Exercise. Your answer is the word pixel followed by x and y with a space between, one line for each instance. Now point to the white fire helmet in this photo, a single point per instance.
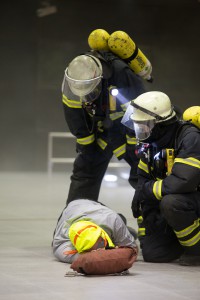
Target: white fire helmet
pixel 84 75
pixel 147 110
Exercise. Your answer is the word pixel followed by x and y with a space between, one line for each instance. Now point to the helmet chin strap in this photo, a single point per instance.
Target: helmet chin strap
pixel 148 112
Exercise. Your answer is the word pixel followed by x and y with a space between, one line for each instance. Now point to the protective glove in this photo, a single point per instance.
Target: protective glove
pixel 136 203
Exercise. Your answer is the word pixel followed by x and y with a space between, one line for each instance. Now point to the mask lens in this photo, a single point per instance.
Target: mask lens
pixel 93 95
pixel 143 129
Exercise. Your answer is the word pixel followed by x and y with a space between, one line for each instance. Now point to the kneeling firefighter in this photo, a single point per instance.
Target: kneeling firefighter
pixel 97 87
pixel 167 197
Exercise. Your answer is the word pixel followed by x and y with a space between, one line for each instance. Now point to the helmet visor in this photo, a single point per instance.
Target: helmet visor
pixel 82 87
pixel 93 95
pixel 143 129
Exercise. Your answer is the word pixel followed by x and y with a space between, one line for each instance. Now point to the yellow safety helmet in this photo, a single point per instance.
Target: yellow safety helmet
pixel 192 114
pixel 84 234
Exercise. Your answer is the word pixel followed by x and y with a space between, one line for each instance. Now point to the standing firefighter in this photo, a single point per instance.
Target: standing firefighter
pixel 97 87
pixel 167 197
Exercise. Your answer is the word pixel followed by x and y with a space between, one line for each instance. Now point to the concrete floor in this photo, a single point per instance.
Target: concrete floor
pixel 30 204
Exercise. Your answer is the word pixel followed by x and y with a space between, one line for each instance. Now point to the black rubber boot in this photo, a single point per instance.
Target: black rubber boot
pixel 189 260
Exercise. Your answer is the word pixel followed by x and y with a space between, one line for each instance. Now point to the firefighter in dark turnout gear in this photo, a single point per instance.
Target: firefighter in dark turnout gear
pixel 167 197
pixel 97 88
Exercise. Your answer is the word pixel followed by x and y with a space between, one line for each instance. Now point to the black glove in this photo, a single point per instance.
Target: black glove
pixel 136 203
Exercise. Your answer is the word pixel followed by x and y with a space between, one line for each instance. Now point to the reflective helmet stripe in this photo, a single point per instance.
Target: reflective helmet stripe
pixel 81 230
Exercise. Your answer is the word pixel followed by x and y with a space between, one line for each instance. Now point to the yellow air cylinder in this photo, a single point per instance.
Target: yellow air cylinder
pixel 192 114
pixel 122 45
pixel 98 40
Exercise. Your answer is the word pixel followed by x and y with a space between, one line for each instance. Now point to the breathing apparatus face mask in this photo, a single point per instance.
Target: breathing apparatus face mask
pixel 84 75
pixel 143 129
pixel 93 95
pixel 143 120
pixel 85 87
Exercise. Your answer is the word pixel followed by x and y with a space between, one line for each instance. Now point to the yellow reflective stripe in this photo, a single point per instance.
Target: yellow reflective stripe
pixel 120 150
pixel 116 115
pixel 139 219
pixel 188 161
pixel 131 140
pixel 86 140
pixel 143 166
pixel 191 242
pixel 102 144
pixel 187 230
pixel 157 189
pixel 71 103
pixel 141 231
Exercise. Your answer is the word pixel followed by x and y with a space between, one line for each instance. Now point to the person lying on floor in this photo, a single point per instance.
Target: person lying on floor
pixel 87 225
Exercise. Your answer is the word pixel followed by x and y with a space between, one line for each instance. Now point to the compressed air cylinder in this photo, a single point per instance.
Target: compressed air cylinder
pixel 122 45
pixel 98 40
pixel 192 114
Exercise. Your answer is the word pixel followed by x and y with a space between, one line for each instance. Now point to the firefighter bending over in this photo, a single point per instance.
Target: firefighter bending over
pixel 167 197
pixel 97 88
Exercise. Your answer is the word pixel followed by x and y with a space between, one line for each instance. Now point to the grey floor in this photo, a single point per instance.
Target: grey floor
pixel 30 204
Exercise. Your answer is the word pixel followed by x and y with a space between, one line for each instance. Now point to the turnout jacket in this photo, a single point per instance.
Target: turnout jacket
pixel 95 212
pixel 100 125
pixel 185 174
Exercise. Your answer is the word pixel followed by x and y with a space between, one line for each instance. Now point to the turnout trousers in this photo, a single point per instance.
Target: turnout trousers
pixel 173 230
pixel 89 170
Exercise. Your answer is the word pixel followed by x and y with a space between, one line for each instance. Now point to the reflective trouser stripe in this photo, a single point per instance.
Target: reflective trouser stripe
pixel 157 189
pixel 188 230
pixel 86 140
pixel 139 220
pixel 120 150
pixel 191 242
pixel 141 231
pixel 184 235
